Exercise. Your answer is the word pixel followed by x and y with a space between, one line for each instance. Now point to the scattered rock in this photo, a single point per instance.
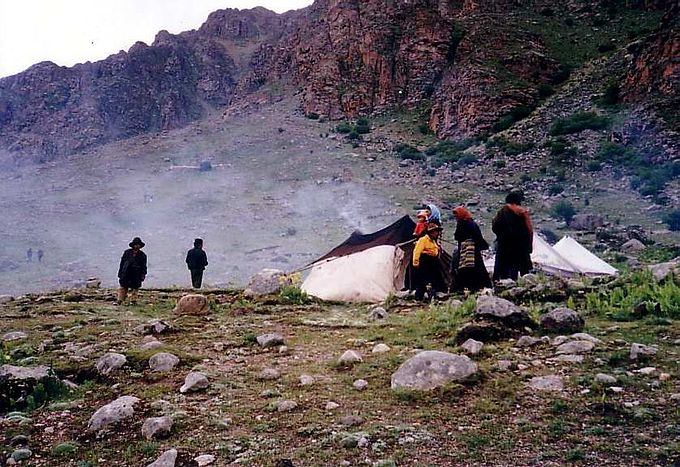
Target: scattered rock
pixel 269 374
pixel 566 358
pixel 582 336
pixel 155 326
pixel 193 305
pixel 378 313
pixel 150 343
pixel 4 299
pixel 661 271
pixel 505 365
pixel 546 383
pixel 633 246
pixel 286 406
pixel 472 346
pixel 13 336
pixel 21 454
pixel 360 384
pixel 562 320
pixel 351 420
pixel 163 361
pixel 354 440
pixel 381 348
pixel 167 459
pixel 112 413
pixel 204 459
pixel 349 358
pixel 575 347
pixel 306 380
pixel 641 350
pixel 431 369
pixel 18 382
pixel 586 221
pixel 110 362
pixel 194 381
pixel 270 340
pixel 157 427
pixel 529 341
pixel 93 283
pixel 266 282
pixel 332 406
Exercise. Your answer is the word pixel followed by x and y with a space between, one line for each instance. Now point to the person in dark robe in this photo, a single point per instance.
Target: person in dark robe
pixel 515 236
pixel 196 261
pixel 471 273
pixel 132 271
pixel 426 264
pixel 40 255
pixel 29 255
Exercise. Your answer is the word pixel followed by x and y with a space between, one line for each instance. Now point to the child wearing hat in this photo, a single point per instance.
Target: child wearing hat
pixel 426 262
pixel 132 271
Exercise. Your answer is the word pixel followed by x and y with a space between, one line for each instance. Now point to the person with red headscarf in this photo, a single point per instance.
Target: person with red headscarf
pixel 471 274
pixel 515 236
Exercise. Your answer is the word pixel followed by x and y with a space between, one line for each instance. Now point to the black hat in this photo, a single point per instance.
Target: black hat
pixel 515 197
pixel 137 241
pixel 198 241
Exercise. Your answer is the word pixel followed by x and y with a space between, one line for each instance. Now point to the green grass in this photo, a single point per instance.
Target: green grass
pixel 578 122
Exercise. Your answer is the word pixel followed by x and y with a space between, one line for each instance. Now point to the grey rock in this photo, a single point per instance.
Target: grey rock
pixel 498 309
pixel 575 347
pixel 633 246
pixel 270 340
pixel 360 384
pixel 163 361
pixel 472 346
pixel 266 282
pixel 269 374
pixel 641 350
pixel 286 406
pixel 194 381
pixel 4 299
pixel 110 362
pixel 351 420
pixel 586 221
pixel 13 336
pixel 155 326
pixel 582 336
pixel 350 357
pixel 157 427
pixel 381 348
pixel 567 358
pixel 21 454
pixel 204 459
pixel 18 382
pixel 546 383
pixel 562 320
pixel 167 459
pixel 661 271
pixel 306 380
pixel 528 341
pixel 192 305
pixel 431 369
pixel 603 378
pixel 378 313
pixel 113 412
pixel 332 406
pixel 505 365
pixel 354 440
pixel 93 283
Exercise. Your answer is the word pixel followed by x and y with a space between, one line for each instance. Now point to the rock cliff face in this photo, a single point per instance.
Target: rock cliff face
pixel 468 62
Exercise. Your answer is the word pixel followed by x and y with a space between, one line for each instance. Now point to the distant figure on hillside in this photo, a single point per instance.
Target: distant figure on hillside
pixel 132 271
pixel 426 268
pixel 29 255
pixel 196 261
pixel 515 235
pixel 40 255
pixel 471 274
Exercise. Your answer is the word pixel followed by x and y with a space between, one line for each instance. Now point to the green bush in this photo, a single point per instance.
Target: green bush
pixel 354 135
pixel 294 296
pixel 363 126
pixel 467 159
pixel 555 189
pixel 672 219
pixel 343 128
pixel 579 122
pixel 446 152
pixel 512 117
pixel 499 163
pixel 545 91
pixel 510 148
pixel 564 210
pixel 593 166
pixel 610 96
pixel 406 151
pixel 424 128
pixel 313 116
pixel 561 150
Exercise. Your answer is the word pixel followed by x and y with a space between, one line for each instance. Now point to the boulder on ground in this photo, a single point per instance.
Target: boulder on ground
pixel 498 309
pixel 270 340
pixel 633 246
pixel 546 383
pixel 93 283
pixel 377 313
pixel 266 282
pixel 586 221
pixel 13 336
pixel 562 320
pixel 661 271
pixel 157 427
pixel 641 350
pixel 6 299
pixel 110 362
pixel 112 413
pixel 472 346
pixel 431 369
pixel 350 357
pixel 155 326
pixel 163 361
pixel 194 381
pixel 575 347
pixel 18 382
pixel 192 304
pixel 167 459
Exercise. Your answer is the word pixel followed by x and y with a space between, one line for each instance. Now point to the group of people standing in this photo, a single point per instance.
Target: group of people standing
pixel 29 255
pixel 514 240
pixel 132 270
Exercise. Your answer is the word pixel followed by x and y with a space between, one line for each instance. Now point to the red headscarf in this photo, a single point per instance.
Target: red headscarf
pixel 462 214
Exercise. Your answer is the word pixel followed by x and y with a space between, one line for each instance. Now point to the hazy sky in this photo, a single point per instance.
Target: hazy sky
pixel 73 31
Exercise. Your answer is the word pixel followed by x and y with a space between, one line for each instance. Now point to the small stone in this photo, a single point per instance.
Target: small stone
pixel 157 427
pixel 528 341
pixel 641 350
pixel 110 362
pixel 163 361
pixel 306 380
pixel 546 383
pixel 567 358
pixel 381 348
pixel 562 320
pixel 194 381
pixel 21 454
pixel 647 371
pixel 204 459
pixel 13 336
pixel 270 340
pixel 330 406
pixel 664 376
pixel 584 336
pixel 286 406
pixel 351 420
pixel 151 345
pixel 167 459
pixel 192 305
pixel 269 374
pixel 472 346
pixel 616 389
pixel 603 378
pixel 113 412
pixel 575 347
pixel 360 384
pixel 4 299
pixel 349 358
pixel 378 313
pixel 283 349
pixel 431 369
pixel 505 365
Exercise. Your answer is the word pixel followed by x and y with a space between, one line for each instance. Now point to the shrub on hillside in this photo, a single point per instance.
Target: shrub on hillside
pixel 406 151
pixel 610 96
pixel 512 117
pixel 579 122
pixel 510 148
pixel 564 210
pixel 672 219
pixel 363 126
pixel 343 128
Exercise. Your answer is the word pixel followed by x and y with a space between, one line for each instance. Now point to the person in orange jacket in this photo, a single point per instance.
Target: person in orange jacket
pixel 426 262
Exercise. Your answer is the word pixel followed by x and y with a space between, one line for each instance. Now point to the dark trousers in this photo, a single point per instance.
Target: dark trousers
pixel 429 272
pixel 196 278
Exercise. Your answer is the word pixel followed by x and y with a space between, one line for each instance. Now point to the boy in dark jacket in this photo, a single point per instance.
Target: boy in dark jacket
pixel 196 261
pixel 132 271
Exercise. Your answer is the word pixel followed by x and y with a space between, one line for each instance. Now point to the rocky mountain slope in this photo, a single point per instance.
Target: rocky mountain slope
pixel 468 64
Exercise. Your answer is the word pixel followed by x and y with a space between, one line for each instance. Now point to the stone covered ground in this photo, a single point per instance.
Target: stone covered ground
pixel 526 401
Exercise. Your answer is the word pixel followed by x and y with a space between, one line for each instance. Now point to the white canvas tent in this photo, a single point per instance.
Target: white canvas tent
pixel 570 258
pixel 584 260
